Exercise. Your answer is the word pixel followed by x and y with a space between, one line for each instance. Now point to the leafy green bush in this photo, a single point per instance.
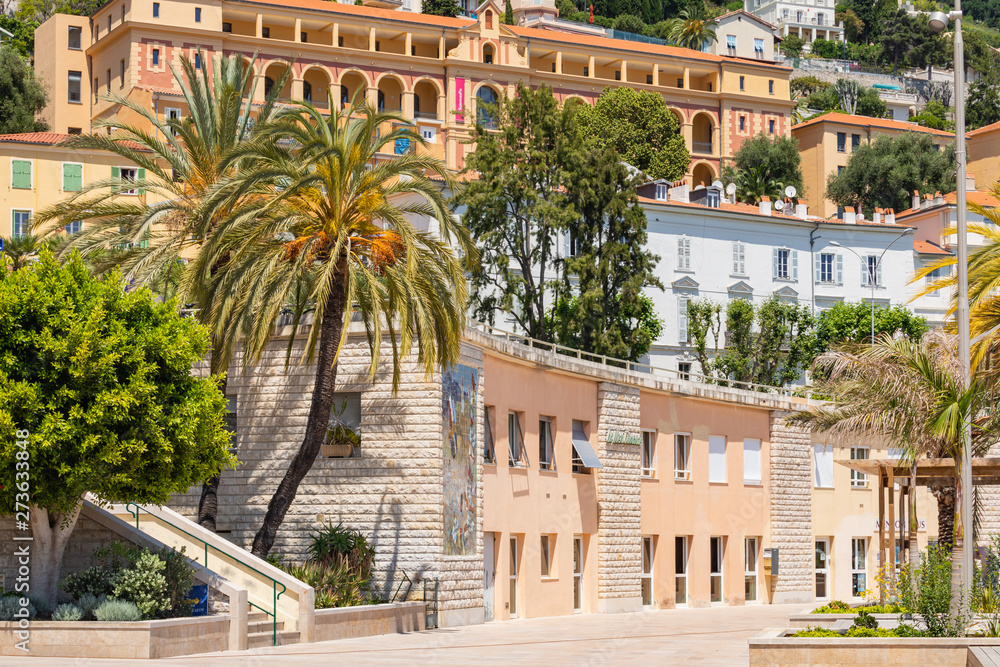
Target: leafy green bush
pixel 117 611
pixel 67 612
pixel 333 543
pixel 97 581
pixel 816 632
pixel 885 609
pixel 180 577
pixel 10 605
pixel 42 607
pixel 144 585
pixel 834 607
pixel 88 603
pixel 926 590
pixel 336 585
pixel 864 620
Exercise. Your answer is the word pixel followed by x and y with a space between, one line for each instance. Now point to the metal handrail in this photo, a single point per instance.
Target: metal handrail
pixel 634 366
pixel 274 582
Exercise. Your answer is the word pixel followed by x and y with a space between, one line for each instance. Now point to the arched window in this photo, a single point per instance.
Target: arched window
pixel 345 98
pixel 307 91
pixel 489 20
pixel 488 54
pixel 486 100
pixel 268 85
pixel 416 104
pixel 381 101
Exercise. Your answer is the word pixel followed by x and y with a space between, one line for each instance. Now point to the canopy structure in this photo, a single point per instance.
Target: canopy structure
pixel 927 472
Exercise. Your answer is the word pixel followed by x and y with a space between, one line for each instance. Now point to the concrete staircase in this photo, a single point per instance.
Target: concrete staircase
pixel 260 631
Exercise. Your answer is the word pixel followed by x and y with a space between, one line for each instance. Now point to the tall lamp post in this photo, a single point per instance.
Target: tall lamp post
pixel 872 270
pixel 938 22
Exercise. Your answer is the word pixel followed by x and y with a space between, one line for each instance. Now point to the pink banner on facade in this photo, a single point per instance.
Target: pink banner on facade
pixel 460 99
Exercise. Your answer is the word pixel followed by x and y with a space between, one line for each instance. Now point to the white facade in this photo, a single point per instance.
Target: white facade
pixel 743 35
pixel 809 19
pixel 736 252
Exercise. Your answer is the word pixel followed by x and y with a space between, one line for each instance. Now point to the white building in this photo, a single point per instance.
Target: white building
pixel 741 34
pixel 712 249
pixel 809 19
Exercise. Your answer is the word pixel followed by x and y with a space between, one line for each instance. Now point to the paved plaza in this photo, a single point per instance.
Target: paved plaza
pixel 715 636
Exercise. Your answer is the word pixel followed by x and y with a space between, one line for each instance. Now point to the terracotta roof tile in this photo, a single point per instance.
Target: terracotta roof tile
pixel 46 138
pixel 983 130
pixel 950 199
pixel 885 123
pixel 750 209
pixel 369 12
pixel 929 248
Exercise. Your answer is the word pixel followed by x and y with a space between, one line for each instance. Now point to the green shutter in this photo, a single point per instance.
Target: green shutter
pixel 141 179
pixel 116 174
pixel 72 177
pixel 21 174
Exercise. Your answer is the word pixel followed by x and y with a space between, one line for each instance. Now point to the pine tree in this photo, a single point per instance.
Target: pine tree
pixel 508 13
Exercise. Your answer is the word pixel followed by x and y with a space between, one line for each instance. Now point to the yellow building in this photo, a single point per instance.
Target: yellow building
pixel 35 172
pixel 61 63
pixel 827 142
pixel 432 69
pixel 983 146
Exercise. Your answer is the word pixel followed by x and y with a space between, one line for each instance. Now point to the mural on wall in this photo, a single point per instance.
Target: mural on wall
pixel 459 384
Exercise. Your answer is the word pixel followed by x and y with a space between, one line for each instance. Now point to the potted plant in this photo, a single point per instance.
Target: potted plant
pixel 341 439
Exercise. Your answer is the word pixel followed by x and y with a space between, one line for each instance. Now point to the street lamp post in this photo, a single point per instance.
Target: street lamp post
pixel 938 22
pixel 872 271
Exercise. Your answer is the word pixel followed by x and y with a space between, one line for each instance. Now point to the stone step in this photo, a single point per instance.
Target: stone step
pixel 264 625
pixel 254 616
pixel 262 639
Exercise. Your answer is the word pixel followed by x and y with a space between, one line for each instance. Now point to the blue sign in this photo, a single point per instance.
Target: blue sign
pixel 402 146
pixel 199 593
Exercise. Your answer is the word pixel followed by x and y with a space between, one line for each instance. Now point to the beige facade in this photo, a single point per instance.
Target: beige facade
pixel 61 64
pixel 827 142
pixel 433 70
pixel 983 146
pixel 35 173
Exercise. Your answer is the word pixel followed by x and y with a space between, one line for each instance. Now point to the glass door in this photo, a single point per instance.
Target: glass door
pixel 718 552
pixel 822 569
pixel 513 577
pixel 578 573
pixel 647 571
pixel 680 569
pixel 750 569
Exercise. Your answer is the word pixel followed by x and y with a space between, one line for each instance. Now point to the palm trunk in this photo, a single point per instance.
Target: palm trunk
pixel 319 415
pixel 208 504
pixel 945 497
pixel 962 542
pixel 911 497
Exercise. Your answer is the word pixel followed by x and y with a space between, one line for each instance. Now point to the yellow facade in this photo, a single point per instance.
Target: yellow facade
pixel 983 146
pixel 61 63
pixel 826 144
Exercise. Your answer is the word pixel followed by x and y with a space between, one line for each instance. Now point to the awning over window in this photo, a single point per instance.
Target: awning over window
pixel 584 450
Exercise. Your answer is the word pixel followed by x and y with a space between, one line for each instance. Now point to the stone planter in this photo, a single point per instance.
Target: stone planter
pixel 138 640
pixel 828 620
pixel 336 451
pixel 370 620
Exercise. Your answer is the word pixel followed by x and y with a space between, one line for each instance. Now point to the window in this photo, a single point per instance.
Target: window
pixel 859 566
pixel 344 426
pixel 770 127
pixel 682 319
pixel 197 61
pixel 109 21
pixel 751 461
pixel 121 73
pixel 680 569
pixel 661 192
pixel 770 87
pixel 829 268
pixel 265 32
pixel 172 114
pixel 618 75
pixel 581 443
pixel 717 548
pixel 517 457
pixel 546 460
pixel 20 174
pixel 855 141
pixel 73 87
pixel 514 561
pixel 74 130
pixel 127 175
pixel 731 46
pixel 871 271
pixel 786 264
pixel 841 142
pixel 156 57
pixel 197 14
pixel 72 177
pixel 109 79
pixel 717 458
pixel 586 70
pixel 798 17
pixel 307 91
pixel 489 446
pixel 649 79
pixel 545 554
pixel 859 480
pixel 822 569
pixel 74 227
pixel 95 89
pixel 489 20
pixel 19 223
pixel 577 573
pixel 823 466
pixel 684 370
pixel 553 67
pixel 156 10
pixel 758 49
pixel 743 123
pixel 647 571
pixel 739 258
pixel 304 37
pixel 682 456
pixel 227 26
pixel 750 546
pixel 713 199
pixel 683 254
pixel 680 83
pixel 75 32
pixel 742 83
pixel 486 99
pixel 649 454
pixel 230 422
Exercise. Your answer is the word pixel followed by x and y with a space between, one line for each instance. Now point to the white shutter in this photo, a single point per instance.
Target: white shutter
pixel 864 270
pixel 687 253
pixel 840 269
pixel 566 238
pixel 795 264
pixel 818 266
pixel 716 458
pixel 743 259
pixel 878 275
pixel 736 258
pixel 751 461
pixel 680 253
pixel 774 264
pixel 682 319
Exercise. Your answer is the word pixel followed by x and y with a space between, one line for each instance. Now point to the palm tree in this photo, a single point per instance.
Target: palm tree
pixel 848 93
pixel 755 183
pixel 20 251
pixel 691 30
pixel 324 227
pixel 911 394
pixel 181 162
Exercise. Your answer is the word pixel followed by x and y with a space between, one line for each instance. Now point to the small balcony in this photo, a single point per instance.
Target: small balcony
pixel 703 147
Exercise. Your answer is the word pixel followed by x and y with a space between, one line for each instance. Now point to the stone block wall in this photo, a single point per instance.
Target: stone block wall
pixel 791 510
pixel 619 535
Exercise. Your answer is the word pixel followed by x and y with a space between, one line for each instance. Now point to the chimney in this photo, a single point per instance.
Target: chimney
pixel 877 216
pixel 849 216
pixel 928 201
pixel 938 199
pixel 765 206
pixel 679 192
pixel 861 216
pixel 915 202
pixel 970 181
pixel 890 217
pixel 801 209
